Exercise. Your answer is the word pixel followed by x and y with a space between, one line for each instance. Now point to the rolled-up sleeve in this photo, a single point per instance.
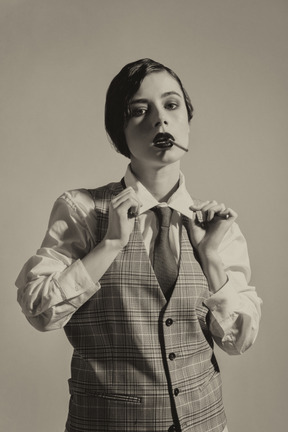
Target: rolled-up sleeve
pixel 54 283
pixel 235 309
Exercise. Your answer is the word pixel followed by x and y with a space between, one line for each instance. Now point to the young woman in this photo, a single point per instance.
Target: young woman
pixel 142 291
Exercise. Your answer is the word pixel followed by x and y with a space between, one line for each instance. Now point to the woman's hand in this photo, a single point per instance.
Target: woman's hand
pixel 122 211
pixel 208 226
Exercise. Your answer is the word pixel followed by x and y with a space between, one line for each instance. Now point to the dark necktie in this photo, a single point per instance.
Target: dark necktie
pixel 165 266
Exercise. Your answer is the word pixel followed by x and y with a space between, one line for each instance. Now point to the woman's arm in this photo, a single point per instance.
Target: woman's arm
pixel 234 305
pixel 54 282
pixel 65 271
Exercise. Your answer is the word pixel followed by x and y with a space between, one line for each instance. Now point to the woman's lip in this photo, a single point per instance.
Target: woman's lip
pixel 163 136
pixel 163 144
pixel 166 144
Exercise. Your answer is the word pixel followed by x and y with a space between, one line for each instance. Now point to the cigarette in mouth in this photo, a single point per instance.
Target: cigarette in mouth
pixel 179 145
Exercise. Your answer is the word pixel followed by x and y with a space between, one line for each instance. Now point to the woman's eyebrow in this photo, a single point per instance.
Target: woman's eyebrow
pixel 135 101
pixel 143 100
pixel 170 93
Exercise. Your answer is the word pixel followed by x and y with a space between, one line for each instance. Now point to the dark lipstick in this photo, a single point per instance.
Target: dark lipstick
pixel 165 140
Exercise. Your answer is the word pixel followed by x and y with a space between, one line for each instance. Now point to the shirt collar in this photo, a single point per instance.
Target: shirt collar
pixel 179 201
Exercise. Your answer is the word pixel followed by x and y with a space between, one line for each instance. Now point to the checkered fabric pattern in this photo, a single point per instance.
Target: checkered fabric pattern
pixel 141 364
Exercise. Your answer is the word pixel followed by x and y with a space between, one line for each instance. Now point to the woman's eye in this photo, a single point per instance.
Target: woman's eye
pixel 138 112
pixel 172 105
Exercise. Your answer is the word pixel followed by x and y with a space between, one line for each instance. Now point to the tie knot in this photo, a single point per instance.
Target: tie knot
pixel 164 215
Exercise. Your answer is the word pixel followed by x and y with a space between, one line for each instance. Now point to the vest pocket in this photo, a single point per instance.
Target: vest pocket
pixel 118 397
pixel 88 393
pixel 108 396
pixel 109 412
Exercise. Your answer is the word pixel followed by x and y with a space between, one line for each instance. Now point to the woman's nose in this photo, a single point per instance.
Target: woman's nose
pixel 160 122
pixel 160 118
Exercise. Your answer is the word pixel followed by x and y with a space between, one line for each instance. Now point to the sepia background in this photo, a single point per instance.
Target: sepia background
pixel 57 59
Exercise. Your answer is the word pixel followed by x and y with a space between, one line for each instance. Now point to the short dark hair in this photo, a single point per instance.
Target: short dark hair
pixel 122 89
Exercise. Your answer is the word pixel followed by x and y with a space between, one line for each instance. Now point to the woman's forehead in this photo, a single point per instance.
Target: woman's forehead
pixel 157 84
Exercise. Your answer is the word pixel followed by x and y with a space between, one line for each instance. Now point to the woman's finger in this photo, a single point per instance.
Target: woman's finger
pixel 207 211
pixel 198 207
pixel 214 210
pixel 129 205
pixel 128 193
pixel 124 192
pixel 228 213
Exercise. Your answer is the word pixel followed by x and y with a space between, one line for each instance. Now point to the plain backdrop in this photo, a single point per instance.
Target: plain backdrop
pixel 57 60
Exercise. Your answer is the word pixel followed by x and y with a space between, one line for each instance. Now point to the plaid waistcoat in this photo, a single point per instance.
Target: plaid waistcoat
pixel 140 363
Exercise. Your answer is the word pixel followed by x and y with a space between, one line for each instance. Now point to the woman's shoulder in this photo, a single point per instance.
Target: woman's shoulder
pixel 104 193
pixel 85 200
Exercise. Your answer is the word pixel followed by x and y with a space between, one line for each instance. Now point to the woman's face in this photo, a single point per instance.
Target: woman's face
pixel 157 107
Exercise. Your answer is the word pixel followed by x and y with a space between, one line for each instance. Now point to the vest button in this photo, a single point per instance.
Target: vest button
pixel 169 322
pixel 172 429
pixel 176 392
pixel 172 356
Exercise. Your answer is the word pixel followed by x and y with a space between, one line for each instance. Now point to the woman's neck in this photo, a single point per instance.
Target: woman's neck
pixel 161 182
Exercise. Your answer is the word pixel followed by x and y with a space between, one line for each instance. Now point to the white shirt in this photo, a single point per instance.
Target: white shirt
pixel 180 202
pixel 53 284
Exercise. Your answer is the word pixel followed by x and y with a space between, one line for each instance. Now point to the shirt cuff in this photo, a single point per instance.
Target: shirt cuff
pixel 75 280
pixel 224 302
